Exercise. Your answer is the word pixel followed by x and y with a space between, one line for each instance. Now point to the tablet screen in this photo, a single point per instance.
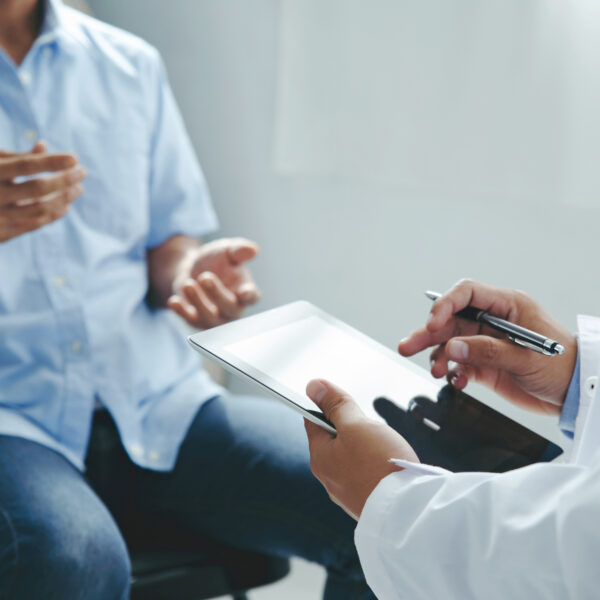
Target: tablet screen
pixel 309 348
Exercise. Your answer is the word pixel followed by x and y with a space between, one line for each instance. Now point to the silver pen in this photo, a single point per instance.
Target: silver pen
pixel 517 334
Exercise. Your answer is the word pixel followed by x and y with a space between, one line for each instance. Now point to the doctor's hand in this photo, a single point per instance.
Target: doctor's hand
pixel 31 204
pixel 351 464
pixel 213 285
pixel 525 377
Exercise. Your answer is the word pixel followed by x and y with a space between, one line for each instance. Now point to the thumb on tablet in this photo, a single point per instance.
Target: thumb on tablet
pixel 337 406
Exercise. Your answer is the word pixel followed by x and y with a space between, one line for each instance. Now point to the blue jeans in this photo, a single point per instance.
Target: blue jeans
pixel 242 478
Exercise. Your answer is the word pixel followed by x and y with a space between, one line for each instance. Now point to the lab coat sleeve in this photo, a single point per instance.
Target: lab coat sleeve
pixel 530 533
pixel 426 533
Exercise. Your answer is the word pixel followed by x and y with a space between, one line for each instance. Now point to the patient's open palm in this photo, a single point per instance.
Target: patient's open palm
pixel 214 285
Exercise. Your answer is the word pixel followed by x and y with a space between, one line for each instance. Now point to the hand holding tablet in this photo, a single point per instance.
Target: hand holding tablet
pixel 282 349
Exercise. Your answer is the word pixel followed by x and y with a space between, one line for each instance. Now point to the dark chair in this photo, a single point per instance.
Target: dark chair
pixel 164 574
pixel 170 563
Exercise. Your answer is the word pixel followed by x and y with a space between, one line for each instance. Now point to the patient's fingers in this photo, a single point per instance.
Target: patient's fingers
pixel 184 309
pixel 220 296
pixel 247 291
pixel 193 306
pixel 208 313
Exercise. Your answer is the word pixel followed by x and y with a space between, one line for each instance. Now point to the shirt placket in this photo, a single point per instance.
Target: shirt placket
pixel 15 98
pixel 57 267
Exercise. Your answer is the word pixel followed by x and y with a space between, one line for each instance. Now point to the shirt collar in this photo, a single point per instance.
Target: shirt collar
pixel 58 26
pixel 52 21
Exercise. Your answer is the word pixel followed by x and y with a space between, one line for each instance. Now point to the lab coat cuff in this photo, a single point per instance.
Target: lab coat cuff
pixel 379 512
pixel 418 468
pixel 589 347
pixel 383 497
pixel 589 356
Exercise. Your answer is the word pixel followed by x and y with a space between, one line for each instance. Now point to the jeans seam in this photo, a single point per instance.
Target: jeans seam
pixel 15 545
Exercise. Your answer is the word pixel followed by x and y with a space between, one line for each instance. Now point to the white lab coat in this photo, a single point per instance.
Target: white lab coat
pixel 531 533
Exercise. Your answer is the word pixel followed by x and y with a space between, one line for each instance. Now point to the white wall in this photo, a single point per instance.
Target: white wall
pixel 362 249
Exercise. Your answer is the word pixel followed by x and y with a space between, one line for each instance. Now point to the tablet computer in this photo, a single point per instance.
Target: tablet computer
pixel 282 349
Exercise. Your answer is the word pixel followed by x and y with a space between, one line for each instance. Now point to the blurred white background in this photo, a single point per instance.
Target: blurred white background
pixel 378 149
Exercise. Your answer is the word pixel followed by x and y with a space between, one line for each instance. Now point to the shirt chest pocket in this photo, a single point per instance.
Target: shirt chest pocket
pixel 115 201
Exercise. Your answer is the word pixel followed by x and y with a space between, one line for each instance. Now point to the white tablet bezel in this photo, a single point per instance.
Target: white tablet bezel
pixel 212 343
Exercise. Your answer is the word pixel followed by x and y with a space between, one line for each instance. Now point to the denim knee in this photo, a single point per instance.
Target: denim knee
pixel 345 576
pixel 87 560
pixel 345 561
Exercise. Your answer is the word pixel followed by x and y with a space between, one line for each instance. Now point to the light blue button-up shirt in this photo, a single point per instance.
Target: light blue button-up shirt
pixel 74 324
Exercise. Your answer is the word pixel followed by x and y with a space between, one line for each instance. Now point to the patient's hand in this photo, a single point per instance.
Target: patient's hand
pixel 29 205
pixel 351 464
pixel 527 378
pixel 213 285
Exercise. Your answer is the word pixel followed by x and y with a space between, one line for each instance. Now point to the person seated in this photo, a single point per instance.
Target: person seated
pixel 424 532
pixel 109 430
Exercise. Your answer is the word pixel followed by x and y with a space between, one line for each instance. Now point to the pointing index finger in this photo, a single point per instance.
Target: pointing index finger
pixel 467 293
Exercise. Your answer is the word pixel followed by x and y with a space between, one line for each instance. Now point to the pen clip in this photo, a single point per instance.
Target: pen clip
pixel 530 346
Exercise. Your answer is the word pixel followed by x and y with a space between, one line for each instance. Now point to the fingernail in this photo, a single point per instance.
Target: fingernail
pixel 403 341
pixel 316 390
pixel 458 350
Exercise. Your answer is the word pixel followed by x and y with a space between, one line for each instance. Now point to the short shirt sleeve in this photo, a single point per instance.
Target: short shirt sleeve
pixel 179 198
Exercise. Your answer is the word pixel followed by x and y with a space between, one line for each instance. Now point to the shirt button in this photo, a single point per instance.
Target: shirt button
pixel 59 281
pixel 137 451
pixel 154 456
pixel 590 385
pixel 25 77
pixel 76 347
pixel 30 135
pixel 47 51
